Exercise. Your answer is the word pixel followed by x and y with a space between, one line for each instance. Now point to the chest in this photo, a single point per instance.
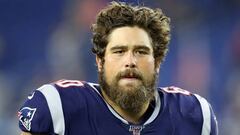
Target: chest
pixel 99 120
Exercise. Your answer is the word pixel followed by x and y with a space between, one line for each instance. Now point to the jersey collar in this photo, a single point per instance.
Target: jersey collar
pixel 148 121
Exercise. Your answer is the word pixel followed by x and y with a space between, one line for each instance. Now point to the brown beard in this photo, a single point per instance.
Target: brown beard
pixel 132 98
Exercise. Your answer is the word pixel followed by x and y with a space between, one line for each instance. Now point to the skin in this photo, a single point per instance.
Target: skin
pixel 128 47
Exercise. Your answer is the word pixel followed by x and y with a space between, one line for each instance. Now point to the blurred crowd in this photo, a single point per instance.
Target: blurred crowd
pixel 44 41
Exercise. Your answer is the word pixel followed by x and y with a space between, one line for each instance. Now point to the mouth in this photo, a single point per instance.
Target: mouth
pixel 129 81
pixel 130 76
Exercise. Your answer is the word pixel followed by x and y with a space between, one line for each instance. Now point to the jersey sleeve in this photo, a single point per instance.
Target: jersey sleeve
pixel 209 126
pixel 214 123
pixel 34 116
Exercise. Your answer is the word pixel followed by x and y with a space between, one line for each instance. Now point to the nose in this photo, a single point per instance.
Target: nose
pixel 130 61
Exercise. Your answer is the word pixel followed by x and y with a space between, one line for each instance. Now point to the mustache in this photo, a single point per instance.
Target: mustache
pixel 129 73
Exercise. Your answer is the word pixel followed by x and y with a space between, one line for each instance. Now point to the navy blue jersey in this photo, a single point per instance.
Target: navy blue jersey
pixel 70 107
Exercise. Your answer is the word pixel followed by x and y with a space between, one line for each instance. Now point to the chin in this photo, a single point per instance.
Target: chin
pixel 129 83
pixel 130 87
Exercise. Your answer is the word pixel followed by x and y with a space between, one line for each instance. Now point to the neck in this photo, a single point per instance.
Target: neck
pixel 129 116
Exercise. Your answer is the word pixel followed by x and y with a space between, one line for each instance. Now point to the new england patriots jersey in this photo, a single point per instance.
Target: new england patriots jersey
pixel 71 107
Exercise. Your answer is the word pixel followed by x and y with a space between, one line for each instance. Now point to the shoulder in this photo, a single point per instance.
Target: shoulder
pixel 67 88
pixel 178 96
pixel 70 94
pixel 185 100
pixel 75 90
pixel 49 102
pixel 190 106
pixel 182 96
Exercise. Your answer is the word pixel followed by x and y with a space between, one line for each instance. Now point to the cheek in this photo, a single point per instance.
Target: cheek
pixel 111 68
pixel 147 66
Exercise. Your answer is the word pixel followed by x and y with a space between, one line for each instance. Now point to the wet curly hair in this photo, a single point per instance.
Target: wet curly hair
pixel 119 14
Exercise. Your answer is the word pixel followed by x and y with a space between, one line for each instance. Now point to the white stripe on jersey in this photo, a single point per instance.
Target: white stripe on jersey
pixel 55 106
pixel 109 107
pixel 156 109
pixel 206 127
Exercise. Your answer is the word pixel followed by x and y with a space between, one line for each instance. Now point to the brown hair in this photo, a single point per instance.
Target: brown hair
pixel 119 14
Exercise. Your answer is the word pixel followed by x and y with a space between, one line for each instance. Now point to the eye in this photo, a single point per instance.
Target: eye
pixel 118 52
pixel 142 52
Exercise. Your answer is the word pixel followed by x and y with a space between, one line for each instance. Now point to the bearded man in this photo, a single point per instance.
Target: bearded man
pixel 130 43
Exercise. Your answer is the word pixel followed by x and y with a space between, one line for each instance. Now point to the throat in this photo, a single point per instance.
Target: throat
pixel 141 117
pixel 134 117
pixel 148 112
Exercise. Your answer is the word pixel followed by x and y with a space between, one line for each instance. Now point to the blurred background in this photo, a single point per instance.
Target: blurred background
pixel 47 40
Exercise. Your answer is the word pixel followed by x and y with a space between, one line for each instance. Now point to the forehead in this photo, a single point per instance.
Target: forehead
pixel 129 36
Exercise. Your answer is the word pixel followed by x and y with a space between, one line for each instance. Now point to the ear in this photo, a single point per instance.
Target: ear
pixel 99 63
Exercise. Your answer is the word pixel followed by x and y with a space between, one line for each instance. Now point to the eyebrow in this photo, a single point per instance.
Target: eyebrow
pixel 119 47
pixel 125 47
pixel 142 47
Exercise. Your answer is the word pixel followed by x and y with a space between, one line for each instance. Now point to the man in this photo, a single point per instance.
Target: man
pixel 130 43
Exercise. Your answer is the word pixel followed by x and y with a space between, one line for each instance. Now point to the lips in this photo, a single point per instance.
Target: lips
pixel 131 75
pixel 130 79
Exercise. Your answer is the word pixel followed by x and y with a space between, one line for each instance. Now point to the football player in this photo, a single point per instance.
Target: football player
pixel 130 43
